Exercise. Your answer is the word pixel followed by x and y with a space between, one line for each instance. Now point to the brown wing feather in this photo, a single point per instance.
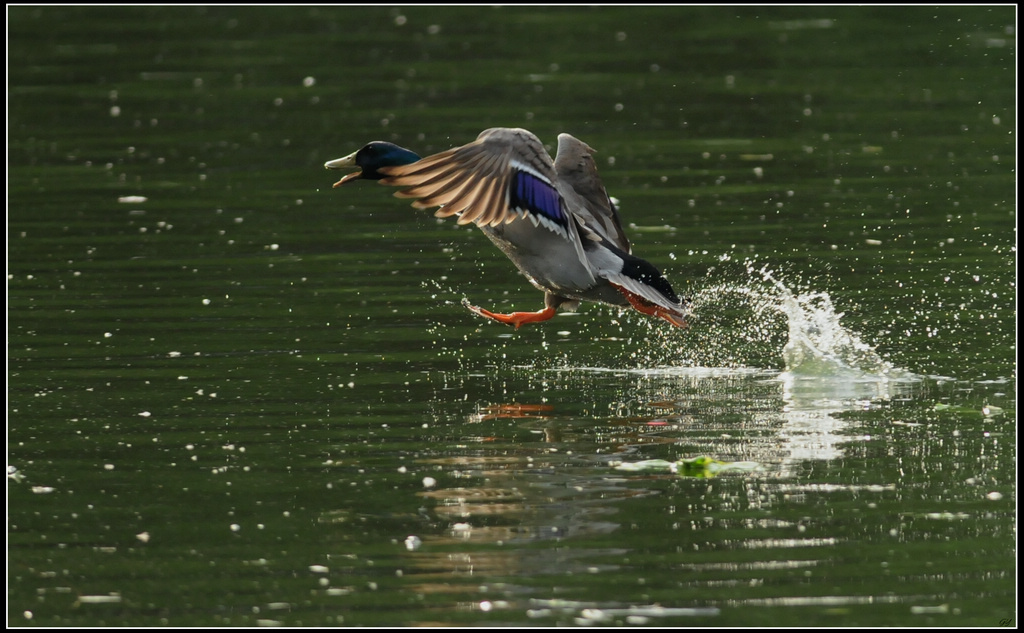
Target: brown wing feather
pixel 444 193
pixel 576 167
pixel 471 180
pixel 471 208
pixel 492 200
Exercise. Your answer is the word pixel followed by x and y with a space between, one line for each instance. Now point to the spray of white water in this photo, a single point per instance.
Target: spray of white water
pixel 761 322
pixel 748 320
pixel 818 343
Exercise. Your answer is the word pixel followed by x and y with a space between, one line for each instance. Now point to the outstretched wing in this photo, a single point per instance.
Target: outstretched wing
pixel 575 167
pixel 504 175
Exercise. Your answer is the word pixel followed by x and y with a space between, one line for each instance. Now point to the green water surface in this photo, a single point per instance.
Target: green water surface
pixel 235 393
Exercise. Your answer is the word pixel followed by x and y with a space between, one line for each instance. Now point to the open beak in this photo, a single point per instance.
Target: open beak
pixel 342 163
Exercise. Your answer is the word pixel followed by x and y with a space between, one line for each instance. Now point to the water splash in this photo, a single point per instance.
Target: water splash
pixel 761 321
pixel 818 343
pixel 748 318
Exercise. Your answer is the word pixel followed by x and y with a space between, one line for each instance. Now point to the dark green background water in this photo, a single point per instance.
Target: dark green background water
pixel 227 381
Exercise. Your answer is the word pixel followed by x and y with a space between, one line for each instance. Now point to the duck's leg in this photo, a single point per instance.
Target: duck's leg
pixel 652 309
pixel 516 318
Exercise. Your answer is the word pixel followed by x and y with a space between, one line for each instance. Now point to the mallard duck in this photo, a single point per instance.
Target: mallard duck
pixel 553 219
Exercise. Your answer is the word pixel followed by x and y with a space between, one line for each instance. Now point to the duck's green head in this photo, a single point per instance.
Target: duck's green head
pixel 370 158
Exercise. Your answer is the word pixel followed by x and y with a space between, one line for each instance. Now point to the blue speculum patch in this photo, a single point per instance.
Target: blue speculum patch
pixel 536 195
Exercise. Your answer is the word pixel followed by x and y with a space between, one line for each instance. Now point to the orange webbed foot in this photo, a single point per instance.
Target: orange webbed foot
pixel 652 309
pixel 516 319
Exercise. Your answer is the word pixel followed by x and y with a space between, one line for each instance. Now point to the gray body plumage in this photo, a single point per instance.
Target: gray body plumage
pixel 553 219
